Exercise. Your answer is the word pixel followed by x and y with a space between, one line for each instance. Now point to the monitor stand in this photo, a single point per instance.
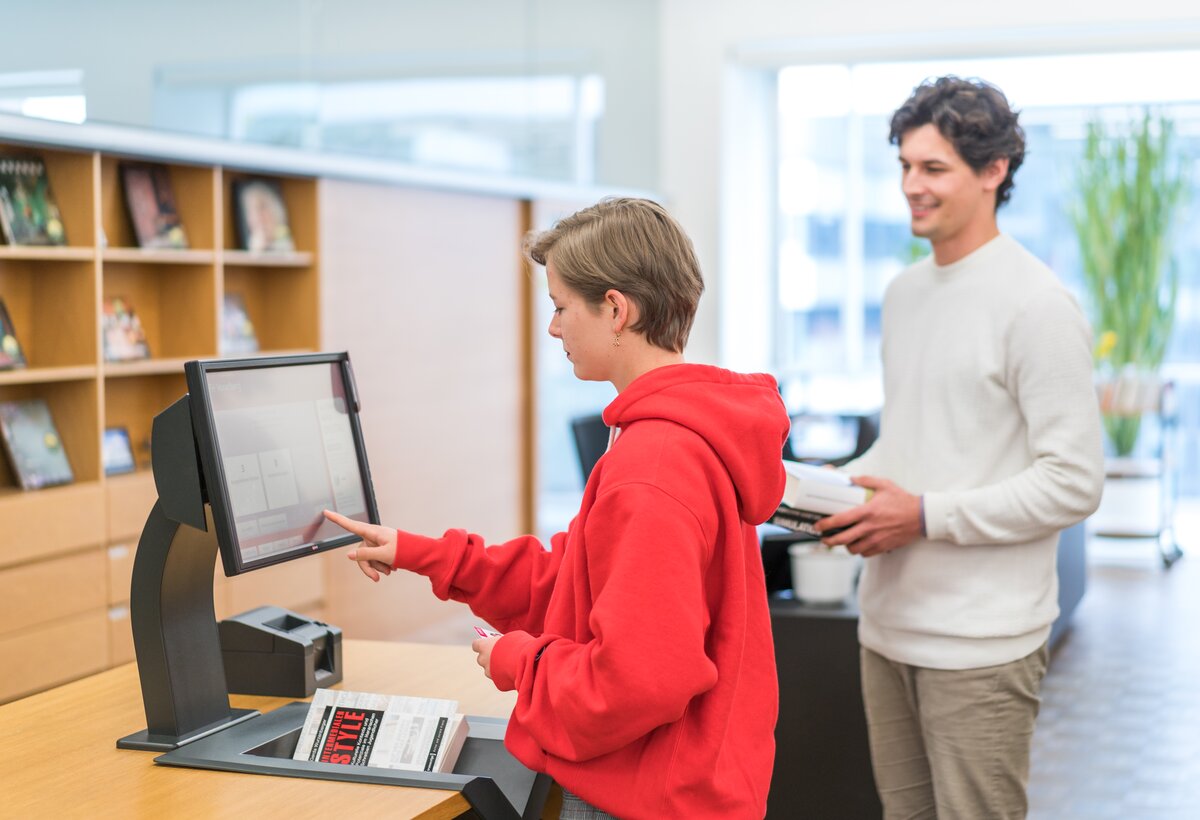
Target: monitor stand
pixel 175 636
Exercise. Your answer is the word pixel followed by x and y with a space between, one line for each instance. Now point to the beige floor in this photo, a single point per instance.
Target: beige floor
pixel 1119 731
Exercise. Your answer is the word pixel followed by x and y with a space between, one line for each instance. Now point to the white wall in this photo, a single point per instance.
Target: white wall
pixel 702 39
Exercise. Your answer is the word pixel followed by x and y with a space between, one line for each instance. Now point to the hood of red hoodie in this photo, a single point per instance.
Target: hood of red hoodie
pixel 740 415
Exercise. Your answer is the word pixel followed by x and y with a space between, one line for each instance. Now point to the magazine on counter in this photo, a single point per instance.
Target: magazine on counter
pixel 389 731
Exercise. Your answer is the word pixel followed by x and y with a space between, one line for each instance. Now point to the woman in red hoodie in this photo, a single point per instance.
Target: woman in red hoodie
pixel 639 643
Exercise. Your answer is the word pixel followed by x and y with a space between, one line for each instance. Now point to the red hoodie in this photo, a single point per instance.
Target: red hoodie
pixel 640 643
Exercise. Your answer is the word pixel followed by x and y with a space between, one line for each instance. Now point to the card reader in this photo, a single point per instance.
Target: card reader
pixel 272 651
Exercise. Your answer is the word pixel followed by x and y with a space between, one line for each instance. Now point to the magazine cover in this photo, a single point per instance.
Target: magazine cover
pixel 117 451
pixel 11 356
pixel 237 331
pixel 262 218
pixel 32 444
pixel 28 213
pixel 124 337
pixel 151 205
pixel 390 731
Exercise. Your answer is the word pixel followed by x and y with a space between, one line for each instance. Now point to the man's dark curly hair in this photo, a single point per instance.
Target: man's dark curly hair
pixel 973 116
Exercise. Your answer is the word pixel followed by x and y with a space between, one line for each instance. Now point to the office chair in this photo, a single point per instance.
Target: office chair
pixel 830 438
pixel 591 440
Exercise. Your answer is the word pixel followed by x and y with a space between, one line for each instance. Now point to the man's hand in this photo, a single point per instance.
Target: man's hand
pixel 378 549
pixel 891 519
pixel 483 653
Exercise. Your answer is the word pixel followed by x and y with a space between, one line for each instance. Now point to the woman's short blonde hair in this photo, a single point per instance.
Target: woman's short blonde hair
pixel 633 246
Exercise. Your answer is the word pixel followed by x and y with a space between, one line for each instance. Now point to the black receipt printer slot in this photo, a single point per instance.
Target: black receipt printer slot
pixel 271 651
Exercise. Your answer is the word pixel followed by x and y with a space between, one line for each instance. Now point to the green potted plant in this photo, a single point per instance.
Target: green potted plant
pixel 1131 186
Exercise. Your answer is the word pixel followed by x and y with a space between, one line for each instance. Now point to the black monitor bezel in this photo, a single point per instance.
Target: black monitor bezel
pixel 216 490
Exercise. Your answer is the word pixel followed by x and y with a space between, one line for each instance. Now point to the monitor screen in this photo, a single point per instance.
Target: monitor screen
pixel 279 441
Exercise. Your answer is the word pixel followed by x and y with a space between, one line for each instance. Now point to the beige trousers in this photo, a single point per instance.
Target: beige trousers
pixel 951 744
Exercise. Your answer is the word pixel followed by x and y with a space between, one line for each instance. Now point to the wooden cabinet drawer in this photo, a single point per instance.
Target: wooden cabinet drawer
pixel 292 585
pixel 119 558
pixel 51 654
pixel 39 524
pixel 33 594
pixel 129 499
pixel 120 636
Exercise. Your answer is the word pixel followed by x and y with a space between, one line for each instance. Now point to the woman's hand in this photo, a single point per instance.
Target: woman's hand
pixel 378 550
pixel 483 653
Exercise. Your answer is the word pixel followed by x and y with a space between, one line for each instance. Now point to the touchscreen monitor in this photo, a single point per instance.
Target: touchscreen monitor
pixel 279 441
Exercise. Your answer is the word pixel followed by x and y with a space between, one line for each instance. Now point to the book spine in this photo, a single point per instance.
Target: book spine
pixel 438 734
pixel 800 521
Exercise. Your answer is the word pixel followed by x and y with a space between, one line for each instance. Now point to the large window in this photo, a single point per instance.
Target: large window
pixel 525 126
pixel 843 223
pixel 47 95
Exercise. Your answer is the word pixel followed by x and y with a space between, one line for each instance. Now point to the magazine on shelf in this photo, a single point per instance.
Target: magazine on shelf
pixel 262 218
pixel 237 331
pixel 28 212
pixel 11 356
pixel 124 336
pixel 813 493
pixel 117 451
pixel 32 444
pixel 388 731
pixel 150 201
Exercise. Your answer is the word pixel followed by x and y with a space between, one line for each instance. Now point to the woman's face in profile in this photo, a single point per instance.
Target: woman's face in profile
pixel 586 332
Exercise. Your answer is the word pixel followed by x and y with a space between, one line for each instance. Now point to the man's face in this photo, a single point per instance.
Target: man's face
pixel 947 198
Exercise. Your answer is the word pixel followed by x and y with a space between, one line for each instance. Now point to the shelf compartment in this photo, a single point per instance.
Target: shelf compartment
pixel 73 406
pixel 71 175
pixel 53 307
pixel 192 189
pixel 300 200
pixel 175 303
pixel 281 303
pixel 132 402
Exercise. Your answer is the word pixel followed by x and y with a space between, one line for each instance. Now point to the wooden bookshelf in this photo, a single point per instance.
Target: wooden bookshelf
pixel 71 548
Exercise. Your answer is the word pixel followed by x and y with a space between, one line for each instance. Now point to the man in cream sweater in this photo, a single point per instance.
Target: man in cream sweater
pixel 990 445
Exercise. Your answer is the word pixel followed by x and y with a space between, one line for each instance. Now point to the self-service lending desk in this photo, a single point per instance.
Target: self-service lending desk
pixel 245 463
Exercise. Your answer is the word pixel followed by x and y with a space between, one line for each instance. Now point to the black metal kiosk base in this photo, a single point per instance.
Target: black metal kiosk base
pixel 182 673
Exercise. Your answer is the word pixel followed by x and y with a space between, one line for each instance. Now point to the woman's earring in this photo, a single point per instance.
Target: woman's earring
pixel 617 340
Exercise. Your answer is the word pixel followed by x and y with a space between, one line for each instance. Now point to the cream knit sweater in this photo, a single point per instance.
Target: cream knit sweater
pixel 991 414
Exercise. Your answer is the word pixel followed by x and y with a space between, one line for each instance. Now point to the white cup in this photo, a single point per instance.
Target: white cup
pixel 822 575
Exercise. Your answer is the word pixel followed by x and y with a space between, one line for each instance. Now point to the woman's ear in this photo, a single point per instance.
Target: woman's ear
pixel 624 312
